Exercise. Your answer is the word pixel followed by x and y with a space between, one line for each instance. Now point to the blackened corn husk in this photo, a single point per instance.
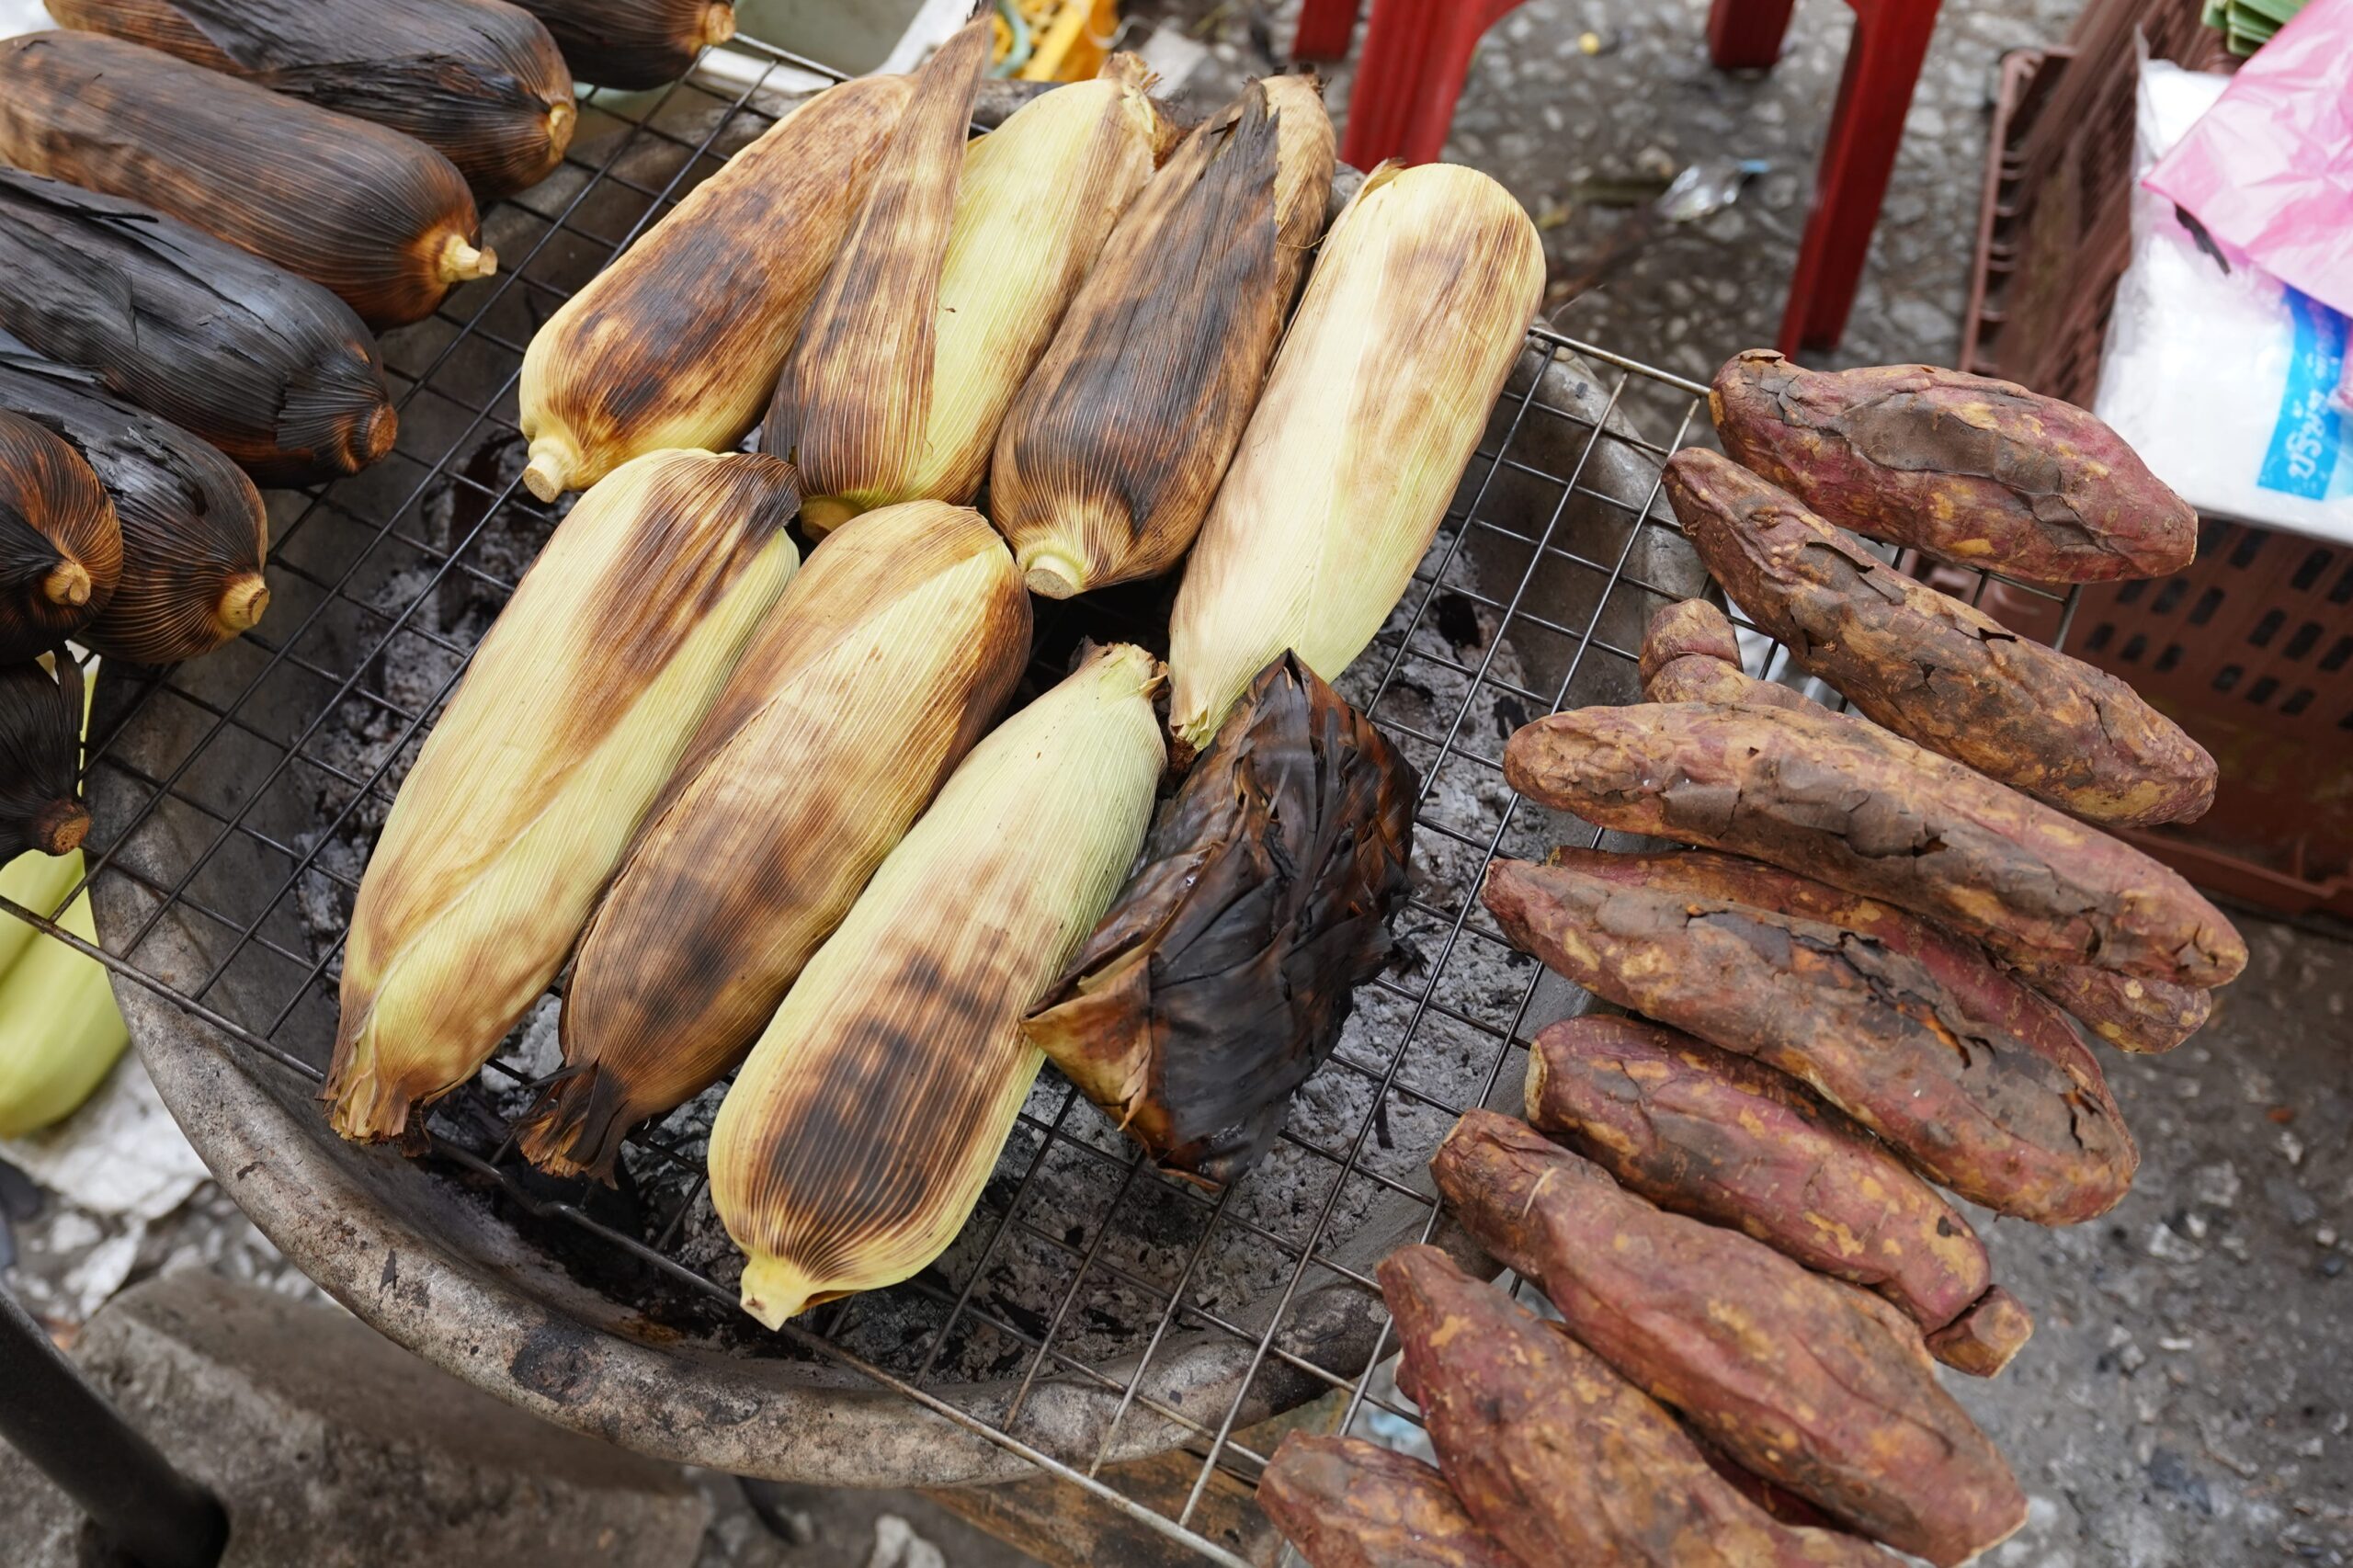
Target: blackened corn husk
pixel 888 655
pixel 40 744
pixel 634 43
pixel 61 549
pixel 479 81
pixel 1112 452
pixel 1414 314
pixel 1219 982
pixel 573 712
pixel 853 1144
pixel 679 342
pixel 271 368
pixel 382 219
pixel 951 283
pixel 193 528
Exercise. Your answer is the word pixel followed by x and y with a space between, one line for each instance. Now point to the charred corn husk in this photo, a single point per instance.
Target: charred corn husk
pixel 883 663
pixel 59 1031
pixel 61 547
pixel 382 219
pixel 1111 455
pixel 193 528
pixel 679 342
pixel 634 43
pixel 270 367
pixel 1219 982
pixel 576 708
pixel 951 282
pixel 478 81
pixel 855 1139
pixel 1413 317
pixel 41 714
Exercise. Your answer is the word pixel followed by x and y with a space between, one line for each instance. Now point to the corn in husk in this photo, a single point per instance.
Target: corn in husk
pixel 61 547
pixel 575 710
pixel 42 715
pixel 634 43
pixel 951 283
pixel 59 1030
pixel 679 342
pixel 1113 451
pixel 887 658
pixel 857 1137
pixel 1414 315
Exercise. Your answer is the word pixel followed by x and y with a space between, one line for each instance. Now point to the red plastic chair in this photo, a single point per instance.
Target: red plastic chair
pixel 1417 53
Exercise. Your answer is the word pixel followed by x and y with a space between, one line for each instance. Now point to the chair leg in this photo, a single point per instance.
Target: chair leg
pixel 1746 35
pixel 1324 28
pixel 1416 54
pixel 1865 127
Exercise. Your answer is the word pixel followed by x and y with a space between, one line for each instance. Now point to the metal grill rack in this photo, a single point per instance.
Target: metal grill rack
pixel 1532 599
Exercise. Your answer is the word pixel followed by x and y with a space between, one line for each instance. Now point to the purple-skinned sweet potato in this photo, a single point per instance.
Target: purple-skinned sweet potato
pixel 1346 1502
pixel 1870 811
pixel 1689 654
pixel 2006 1109
pixel 1964 468
pixel 2131 1012
pixel 1813 1385
pixel 1932 668
pixel 1714 1136
pixel 1685 627
pixel 1565 1461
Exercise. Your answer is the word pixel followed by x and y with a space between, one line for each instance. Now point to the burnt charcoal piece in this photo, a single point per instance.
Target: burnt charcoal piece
pixel 1218 981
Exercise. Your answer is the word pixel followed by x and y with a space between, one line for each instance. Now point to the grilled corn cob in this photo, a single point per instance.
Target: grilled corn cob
pixel 1413 316
pixel 193 528
pixel 856 1142
pixel 478 81
pixel 885 660
pixel 386 222
pixel 1113 450
pixel 634 43
pixel 577 705
pixel 61 547
pixel 679 342
pixel 59 1031
pixel 951 282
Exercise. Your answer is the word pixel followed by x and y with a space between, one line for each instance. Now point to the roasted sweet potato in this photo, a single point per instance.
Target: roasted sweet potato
pixel 1932 668
pixel 1346 1502
pixel 1689 656
pixel 1813 1385
pixel 1686 628
pixel 2129 1012
pixel 2021 1122
pixel 1982 1340
pixel 1565 1461
pixel 1960 467
pixel 1871 812
pixel 1719 1137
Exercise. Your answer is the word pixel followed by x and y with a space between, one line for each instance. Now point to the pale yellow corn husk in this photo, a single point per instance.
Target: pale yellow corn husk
pixel 576 708
pixel 887 658
pixel 1413 317
pixel 857 1139
pixel 59 1031
pixel 1112 452
pixel 679 342
pixel 952 284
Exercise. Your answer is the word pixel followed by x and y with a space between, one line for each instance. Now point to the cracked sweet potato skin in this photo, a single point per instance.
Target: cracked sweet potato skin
pixel 1562 1460
pixel 1717 1136
pixel 2129 1012
pixel 1346 1502
pixel 1932 668
pixel 1813 1385
pixel 1870 811
pixel 2022 1123
pixel 1964 468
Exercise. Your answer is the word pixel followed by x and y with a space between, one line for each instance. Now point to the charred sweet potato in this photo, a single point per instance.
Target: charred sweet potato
pixel 1708 1134
pixel 1689 626
pixel 1220 980
pixel 1932 668
pixel 2018 1120
pixel 1346 1502
pixel 2129 1012
pixel 1812 1384
pixel 1563 1461
pixel 1689 654
pixel 1960 467
pixel 1871 812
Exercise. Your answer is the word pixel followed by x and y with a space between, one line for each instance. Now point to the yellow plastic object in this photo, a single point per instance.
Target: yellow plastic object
pixel 59 1031
pixel 1068 39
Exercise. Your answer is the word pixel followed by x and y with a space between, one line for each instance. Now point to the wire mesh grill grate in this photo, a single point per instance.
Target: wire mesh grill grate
pixel 240 794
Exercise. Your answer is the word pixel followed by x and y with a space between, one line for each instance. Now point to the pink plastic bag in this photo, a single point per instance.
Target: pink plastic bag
pixel 2268 171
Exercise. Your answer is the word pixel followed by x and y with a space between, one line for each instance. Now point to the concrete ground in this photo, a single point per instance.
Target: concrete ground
pixel 2188 1397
